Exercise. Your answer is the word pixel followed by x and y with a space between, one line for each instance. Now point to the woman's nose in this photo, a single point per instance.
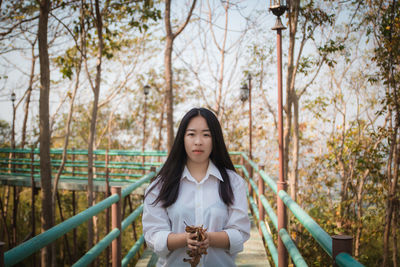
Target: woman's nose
pixel 198 140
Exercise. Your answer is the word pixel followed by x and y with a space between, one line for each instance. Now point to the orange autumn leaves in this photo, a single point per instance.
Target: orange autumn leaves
pixel 195 255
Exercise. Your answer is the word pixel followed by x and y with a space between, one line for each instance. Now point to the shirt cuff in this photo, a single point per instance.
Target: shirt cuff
pixel 235 241
pixel 160 245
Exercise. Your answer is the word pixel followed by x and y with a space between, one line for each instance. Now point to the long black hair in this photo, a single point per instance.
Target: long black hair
pixel 171 173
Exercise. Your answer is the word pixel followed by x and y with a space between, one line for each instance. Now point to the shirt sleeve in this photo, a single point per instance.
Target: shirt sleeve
pixel 156 224
pixel 238 224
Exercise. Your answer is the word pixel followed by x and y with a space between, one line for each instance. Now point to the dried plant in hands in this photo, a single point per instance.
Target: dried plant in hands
pixel 196 254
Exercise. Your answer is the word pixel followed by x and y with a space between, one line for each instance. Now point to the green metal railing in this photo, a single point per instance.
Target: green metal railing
pixel 21 252
pixel 31 246
pixel 25 163
pixel 322 237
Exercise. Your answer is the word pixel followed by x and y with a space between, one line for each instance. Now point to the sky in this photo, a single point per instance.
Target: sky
pixel 15 67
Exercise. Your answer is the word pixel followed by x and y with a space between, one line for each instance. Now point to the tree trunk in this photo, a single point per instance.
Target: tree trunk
pixel 392 177
pixel 170 36
pixel 295 153
pixel 169 92
pixel 67 133
pixel 28 97
pixel 293 18
pixel 222 62
pixel 45 167
pixel 92 134
pixel 160 127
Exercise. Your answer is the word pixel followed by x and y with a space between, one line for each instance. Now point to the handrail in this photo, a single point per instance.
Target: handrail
pixel 112 152
pixel 267 236
pixel 110 163
pixel 313 228
pixel 92 254
pixel 21 252
pixel 287 241
pixel 85 152
pixel 343 260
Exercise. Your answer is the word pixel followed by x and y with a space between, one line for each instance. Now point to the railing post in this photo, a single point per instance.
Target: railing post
pixel 282 223
pixel 2 245
pixel 116 223
pixel 341 243
pixel 261 190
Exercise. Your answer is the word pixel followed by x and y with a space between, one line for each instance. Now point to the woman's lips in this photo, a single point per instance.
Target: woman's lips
pixel 198 151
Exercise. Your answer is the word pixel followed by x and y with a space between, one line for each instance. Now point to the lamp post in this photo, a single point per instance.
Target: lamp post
pixel 13 98
pixel 250 123
pixel 278 7
pixel 15 189
pixel 146 91
pixel 245 93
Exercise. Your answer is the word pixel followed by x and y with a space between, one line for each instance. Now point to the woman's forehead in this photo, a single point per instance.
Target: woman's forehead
pixel 197 123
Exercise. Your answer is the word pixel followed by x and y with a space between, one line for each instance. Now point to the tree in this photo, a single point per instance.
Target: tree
pixel 45 165
pixel 387 57
pixel 169 42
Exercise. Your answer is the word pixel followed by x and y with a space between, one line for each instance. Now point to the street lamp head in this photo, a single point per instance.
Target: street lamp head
pixel 249 77
pixel 13 97
pixel 146 89
pixel 244 92
pixel 278 7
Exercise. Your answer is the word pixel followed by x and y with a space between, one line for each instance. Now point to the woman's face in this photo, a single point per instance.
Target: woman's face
pixel 198 140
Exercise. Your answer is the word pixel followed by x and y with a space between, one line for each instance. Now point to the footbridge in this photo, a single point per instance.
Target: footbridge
pixel 120 178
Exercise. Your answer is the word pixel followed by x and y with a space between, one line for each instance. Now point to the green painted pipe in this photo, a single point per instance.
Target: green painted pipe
pixel 292 249
pixel 95 251
pixel 19 253
pixel 270 211
pixel 74 172
pixel 271 183
pixel 245 172
pixel 133 216
pixel 79 178
pixel 252 163
pixel 345 260
pixel 132 252
pixel 315 230
pixel 267 237
pixel 266 205
pixel 127 190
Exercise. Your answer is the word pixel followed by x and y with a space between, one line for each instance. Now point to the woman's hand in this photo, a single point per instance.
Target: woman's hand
pixel 203 245
pixel 193 244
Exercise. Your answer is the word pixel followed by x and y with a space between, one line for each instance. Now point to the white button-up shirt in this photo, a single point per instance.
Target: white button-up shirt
pixel 198 203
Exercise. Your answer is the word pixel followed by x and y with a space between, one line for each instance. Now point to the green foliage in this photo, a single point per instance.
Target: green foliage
pixel 5 134
pixel 120 20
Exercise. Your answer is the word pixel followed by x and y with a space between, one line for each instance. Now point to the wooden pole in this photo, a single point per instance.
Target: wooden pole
pixel 2 245
pixel 107 193
pixel 261 191
pixel 74 234
pixel 341 243
pixel 116 223
pixel 33 189
pixel 282 216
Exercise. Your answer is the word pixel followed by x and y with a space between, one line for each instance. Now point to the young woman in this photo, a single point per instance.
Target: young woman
pixel 197 186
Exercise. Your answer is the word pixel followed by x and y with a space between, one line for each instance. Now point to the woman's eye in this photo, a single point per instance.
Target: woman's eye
pixel 208 135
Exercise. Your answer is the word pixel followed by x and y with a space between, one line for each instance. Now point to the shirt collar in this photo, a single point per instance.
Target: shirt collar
pixel 212 170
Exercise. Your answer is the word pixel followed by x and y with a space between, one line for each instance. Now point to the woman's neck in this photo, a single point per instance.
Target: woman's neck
pixel 197 170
